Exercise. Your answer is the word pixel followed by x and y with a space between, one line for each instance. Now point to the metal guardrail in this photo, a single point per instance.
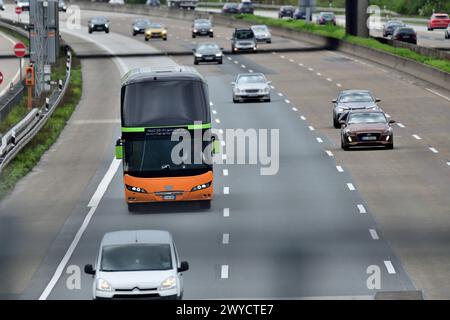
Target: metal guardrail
pixel 15 139
pixel 11 98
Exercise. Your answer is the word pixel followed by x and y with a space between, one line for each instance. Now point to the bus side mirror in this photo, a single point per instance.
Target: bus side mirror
pixel 119 149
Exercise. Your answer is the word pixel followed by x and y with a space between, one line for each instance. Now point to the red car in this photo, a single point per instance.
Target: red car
pixel 438 21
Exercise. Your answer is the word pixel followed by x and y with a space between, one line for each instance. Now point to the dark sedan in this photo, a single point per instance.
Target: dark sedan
pixel 140 25
pixel 286 11
pixel 245 7
pixel 326 18
pixel 366 128
pixel 405 35
pixel 99 23
pixel 230 7
pixel 300 14
pixel 202 27
pixel 352 100
pixel 208 52
pixel 390 26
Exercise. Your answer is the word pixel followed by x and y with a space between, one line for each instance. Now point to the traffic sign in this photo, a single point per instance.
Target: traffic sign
pixel 18 10
pixel 20 50
pixel 1 77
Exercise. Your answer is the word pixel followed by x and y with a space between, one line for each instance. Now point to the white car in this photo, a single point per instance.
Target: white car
pixel 141 264
pixel 262 33
pixel 116 2
pixel 251 86
pixel 447 32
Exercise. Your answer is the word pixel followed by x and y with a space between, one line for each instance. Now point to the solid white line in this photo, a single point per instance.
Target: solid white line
pixel 101 189
pixel 389 267
pixel 311 128
pixel 224 272
pixel 225 172
pixel 226 238
pixel 226 190
pixel 287 101
pixel 374 234
pixel 401 125
pixel 351 187
pixel 416 137
pixel 319 140
pixel 217 120
pixel 438 94
pixel 280 94
pixel 434 150
pixel 294 109
pixel 329 153
pixel 361 208
pixel 303 118
pixel 226 212
pixel 339 169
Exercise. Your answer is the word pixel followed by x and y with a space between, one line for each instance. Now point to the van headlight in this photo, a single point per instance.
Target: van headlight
pixel 103 285
pixel 169 283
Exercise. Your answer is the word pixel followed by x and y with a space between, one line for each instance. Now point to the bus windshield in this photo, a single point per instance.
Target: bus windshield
pixel 164 103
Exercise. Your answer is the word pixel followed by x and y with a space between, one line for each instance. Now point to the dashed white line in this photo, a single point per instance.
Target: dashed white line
pixel 329 80
pixel 282 57
pixel 300 64
pixel 294 109
pixel 291 60
pixel 303 118
pixel 250 70
pixel 339 85
pixel 388 115
pixel 229 58
pixel 226 190
pixel 224 157
pixel 311 128
pixel 214 111
pixel 361 208
pixel 236 62
pixel 272 87
pixel 319 74
pixel 390 268
pixel 415 136
pixel 310 69
pixel 438 94
pixel 339 169
pixel 226 238
pixel 221 131
pixel 226 212
pixel 329 153
pixel 351 187
pixel 448 163
pixel 280 94
pixel 211 103
pixel 401 125
pixel 319 140
pixel 434 150
pixel 243 66
pixel 224 272
pixel 217 120
pixel 225 172
pixel 374 234
pixel 287 101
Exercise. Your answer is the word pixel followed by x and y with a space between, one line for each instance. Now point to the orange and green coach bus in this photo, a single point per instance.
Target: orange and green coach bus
pixel 155 103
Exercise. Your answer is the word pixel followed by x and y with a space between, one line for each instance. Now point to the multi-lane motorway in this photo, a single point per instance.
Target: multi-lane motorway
pixel 312 230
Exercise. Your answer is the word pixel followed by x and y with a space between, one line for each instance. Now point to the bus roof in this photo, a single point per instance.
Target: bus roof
pixel 161 73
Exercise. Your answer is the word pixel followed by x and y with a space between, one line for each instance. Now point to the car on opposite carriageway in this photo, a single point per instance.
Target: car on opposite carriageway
pixel 140 25
pixel 352 100
pixel 390 26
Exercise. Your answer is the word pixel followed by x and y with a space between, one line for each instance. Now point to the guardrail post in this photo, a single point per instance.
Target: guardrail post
pixel 47 103
pixel 60 84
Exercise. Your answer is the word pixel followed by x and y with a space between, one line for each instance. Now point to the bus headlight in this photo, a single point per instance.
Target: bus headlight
pixel 135 189
pixel 201 186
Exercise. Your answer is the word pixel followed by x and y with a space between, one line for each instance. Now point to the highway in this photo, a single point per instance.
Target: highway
pixel 312 230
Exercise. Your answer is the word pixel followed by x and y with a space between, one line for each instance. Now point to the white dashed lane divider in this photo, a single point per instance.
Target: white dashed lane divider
pixel 225 172
pixel 339 169
pixel 351 187
pixel 434 150
pixel 226 212
pixel 319 140
pixel 374 234
pixel 224 272
pixel 226 238
pixel 329 153
pixel 303 118
pixel 401 125
pixel 390 268
pixel 415 136
pixel 294 109
pixel 311 128
pixel 361 208
pixel 226 190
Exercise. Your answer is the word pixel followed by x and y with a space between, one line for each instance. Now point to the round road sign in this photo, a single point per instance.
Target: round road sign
pixel 18 10
pixel 20 50
pixel 1 77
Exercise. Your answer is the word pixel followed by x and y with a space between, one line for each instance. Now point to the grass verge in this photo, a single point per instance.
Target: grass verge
pixel 339 33
pixel 30 155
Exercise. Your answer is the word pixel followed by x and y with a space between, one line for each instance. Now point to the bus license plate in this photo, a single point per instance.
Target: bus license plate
pixel 169 197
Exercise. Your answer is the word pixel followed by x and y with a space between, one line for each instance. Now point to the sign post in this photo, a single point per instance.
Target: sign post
pixel 18 12
pixel 19 51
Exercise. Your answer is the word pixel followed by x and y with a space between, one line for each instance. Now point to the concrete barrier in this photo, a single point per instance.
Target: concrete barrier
pixel 413 68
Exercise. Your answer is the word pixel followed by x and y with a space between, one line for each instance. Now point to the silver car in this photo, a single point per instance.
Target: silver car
pixel 352 100
pixel 141 264
pixel 251 86
pixel 262 33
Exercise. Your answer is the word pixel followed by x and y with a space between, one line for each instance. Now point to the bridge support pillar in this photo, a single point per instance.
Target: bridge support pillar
pixel 356 17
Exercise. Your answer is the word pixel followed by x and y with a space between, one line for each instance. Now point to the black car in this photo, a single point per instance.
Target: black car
pixel 286 11
pixel 139 26
pixel 202 27
pixel 99 23
pixel 390 26
pixel 245 7
pixel 208 52
pixel 230 7
pixel 405 35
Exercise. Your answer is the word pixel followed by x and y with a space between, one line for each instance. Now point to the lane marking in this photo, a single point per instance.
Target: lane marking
pixel 329 80
pixel 390 268
pixel 243 66
pixel 448 163
pixel 351 187
pixel 339 85
pixel 217 120
pixel 272 87
pixel 221 131
pixel 280 94
pixel 214 111
pixel 93 203
pixel 361 208
pixel 236 62
pixel 438 94
pixel 339 169
pixel 250 70
pixel 303 118
pixel 226 190
pixel 310 69
pixel 282 57
pixel 311 128
pixel 224 157
pixel 416 137
pixel 225 172
pixel 211 103
pixel 319 140
pixel 222 143
pixel 294 109
pixel 291 60
pixel 226 212
pixel 229 58
pixel 388 115
pixel 401 125
pixel 434 150
pixel 226 238
pixel 300 64
pixel 224 272
pixel 374 234
pixel 319 74
pixel 329 153
pixel 287 101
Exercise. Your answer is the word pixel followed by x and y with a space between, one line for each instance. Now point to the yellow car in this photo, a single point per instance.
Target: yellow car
pixel 155 30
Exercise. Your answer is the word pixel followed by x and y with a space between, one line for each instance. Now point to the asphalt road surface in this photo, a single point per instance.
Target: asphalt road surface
pixel 9 67
pixel 312 230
